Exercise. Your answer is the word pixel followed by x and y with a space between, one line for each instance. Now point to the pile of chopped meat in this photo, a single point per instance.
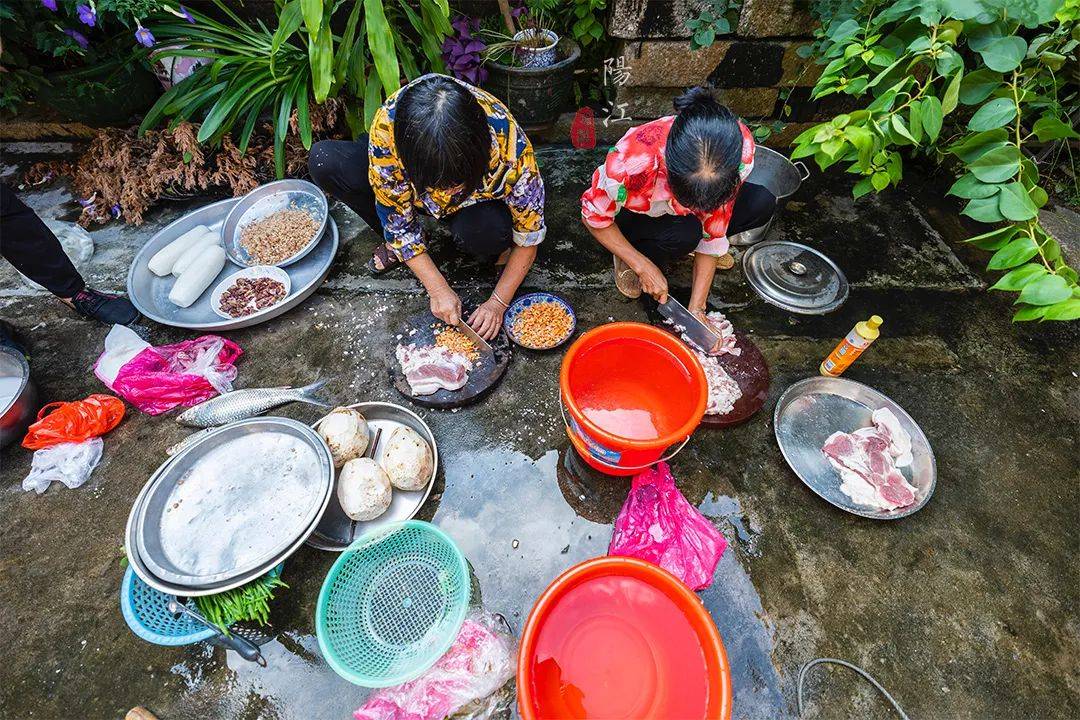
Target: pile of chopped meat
pixel 723 326
pixel 724 392
pixel 433 368
pixel 250 294
pixel 869 459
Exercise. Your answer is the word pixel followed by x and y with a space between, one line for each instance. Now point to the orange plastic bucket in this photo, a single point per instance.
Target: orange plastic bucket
pixel 628 392
pixel 621 639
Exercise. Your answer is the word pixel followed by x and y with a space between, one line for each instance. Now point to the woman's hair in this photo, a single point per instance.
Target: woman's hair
pixel 441 134
pixel 703 151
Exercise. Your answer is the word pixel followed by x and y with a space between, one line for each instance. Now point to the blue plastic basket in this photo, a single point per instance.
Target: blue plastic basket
pixel 146 611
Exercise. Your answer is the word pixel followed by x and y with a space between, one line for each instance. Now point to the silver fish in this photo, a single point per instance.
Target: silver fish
pixel 189 441
pixel 241 404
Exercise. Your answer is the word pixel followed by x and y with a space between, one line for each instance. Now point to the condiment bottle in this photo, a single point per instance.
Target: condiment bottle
pixel 851 347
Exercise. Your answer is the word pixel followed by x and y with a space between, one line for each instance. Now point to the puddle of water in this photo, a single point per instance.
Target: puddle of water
pixel 729 509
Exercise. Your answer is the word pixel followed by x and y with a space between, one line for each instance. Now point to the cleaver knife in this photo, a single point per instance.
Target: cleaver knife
pixel 480 343
pixel 690 326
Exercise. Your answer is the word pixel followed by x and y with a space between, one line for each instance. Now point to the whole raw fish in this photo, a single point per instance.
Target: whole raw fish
pixel 241 404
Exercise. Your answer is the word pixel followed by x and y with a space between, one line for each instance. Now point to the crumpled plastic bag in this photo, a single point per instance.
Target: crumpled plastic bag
pixel 121 345
pixel 481 660
pixel 69 463
pixel 76 243
pixel 74 422
pixel 158 379
pixel 658 524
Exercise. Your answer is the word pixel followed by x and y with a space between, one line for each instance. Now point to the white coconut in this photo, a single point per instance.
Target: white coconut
pixel 407 459
pixel 363 489
pixel 346 434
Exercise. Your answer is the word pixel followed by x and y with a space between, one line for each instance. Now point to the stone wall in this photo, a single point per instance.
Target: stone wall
pixel 749 67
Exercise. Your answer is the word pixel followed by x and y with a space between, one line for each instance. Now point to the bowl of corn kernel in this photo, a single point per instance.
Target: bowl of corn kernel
pixel 539 321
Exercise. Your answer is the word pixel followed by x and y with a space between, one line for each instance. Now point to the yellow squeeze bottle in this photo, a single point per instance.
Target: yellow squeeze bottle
pixel 851 347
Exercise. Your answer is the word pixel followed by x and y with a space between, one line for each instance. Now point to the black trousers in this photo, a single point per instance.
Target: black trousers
pixel 30 246
pixel 340 167
pixel 667 238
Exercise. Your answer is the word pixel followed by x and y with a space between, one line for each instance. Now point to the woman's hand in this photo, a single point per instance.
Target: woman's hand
pixel 446 305
pixel 652 280
pixel 487 319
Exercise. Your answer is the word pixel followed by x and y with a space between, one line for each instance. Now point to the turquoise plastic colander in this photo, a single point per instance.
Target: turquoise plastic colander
pixel 146 612
pixel 392 604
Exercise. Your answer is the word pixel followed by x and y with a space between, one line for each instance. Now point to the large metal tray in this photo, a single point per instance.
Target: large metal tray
pixel 233 502
pixel 336 530
pixel 813 409
pixel 150 293
pixel 135 560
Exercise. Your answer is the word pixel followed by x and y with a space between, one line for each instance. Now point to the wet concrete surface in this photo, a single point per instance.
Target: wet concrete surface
pixel 968 609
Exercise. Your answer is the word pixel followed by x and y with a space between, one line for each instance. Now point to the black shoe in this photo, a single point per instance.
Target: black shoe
pixel 104 307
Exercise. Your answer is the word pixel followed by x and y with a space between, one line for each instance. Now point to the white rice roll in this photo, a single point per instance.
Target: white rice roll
pixel 164 259
pixel 363 489
pixel 197 277
pixel 407 459
pixel 182 263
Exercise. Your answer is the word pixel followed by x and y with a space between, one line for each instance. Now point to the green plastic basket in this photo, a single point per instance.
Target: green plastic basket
pixel 392 604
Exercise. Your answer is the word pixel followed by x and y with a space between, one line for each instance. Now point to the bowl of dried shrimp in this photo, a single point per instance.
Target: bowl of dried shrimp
pixel 539 321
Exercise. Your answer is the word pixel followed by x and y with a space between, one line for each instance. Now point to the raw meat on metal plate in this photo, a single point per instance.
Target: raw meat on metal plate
pixel 867 461
pixel 433 368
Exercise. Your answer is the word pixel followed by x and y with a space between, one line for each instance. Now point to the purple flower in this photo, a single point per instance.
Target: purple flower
pixel 87 15
pixel 115 210
pixel 50 4
pixel 144 37
pixel 181 13
pixel 78 37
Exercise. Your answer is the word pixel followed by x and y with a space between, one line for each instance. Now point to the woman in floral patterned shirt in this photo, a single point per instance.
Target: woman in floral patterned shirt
pixel 675 186
pixel 443 148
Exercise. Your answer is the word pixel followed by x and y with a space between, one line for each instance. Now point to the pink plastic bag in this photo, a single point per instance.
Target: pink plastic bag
pixel 186 373
pixel 658 524
pixel 479 662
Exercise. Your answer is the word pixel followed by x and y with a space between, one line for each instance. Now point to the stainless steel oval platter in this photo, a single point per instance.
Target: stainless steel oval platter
pixel 230 507
pixel 336 530
pixel 813 409
pixel 150 293
pixel 266 200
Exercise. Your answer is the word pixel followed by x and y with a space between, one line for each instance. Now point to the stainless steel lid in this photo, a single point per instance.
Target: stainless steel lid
pixel 795 277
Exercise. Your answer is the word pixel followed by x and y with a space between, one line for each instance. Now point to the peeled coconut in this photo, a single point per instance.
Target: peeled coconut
pixel 407 459
pixel 363 489
pixel 346 434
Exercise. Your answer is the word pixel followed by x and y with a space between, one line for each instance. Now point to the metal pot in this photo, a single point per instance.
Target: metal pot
pixel 779 176
pixel 16 413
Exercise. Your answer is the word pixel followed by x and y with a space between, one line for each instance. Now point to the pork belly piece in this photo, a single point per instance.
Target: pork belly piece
pixel 867 468
pixel 433 368
pixel 899 439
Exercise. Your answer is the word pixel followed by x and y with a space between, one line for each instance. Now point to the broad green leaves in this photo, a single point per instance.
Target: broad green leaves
pixel 971 187
pixel 1015 204
pixel 994 114
pixel 1049 128
pixel 1046 290
pixel 932 117
pixel 1015 252
pixel 978 85
pixel 1015 280
pixel 1004 54
pixel 998 164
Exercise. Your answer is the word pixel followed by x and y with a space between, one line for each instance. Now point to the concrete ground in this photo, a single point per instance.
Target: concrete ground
pixel 968 609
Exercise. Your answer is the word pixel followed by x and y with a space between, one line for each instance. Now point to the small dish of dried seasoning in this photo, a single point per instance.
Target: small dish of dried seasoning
pixel 250 290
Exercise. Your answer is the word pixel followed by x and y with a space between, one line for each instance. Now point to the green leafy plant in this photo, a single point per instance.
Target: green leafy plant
pixel 253 70
pixel 586 23
pixel 715 19
pixel 248 602
pixel 977 82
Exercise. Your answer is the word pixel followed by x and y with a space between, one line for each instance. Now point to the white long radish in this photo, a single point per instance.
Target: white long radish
pixel 195 251
pixel 198 276
pixel 161 264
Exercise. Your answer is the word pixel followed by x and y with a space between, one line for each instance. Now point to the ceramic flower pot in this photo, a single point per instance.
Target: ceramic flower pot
pixel 536 48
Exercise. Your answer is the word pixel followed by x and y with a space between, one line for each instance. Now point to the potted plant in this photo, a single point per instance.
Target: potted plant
pixel 529 67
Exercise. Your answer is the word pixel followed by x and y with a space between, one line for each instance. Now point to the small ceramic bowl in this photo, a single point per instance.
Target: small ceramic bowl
pixel 254 271
pixel 537 298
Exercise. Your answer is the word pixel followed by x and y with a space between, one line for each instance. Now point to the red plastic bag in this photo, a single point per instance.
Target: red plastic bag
pixel 658 524
pixel 186 373
pixel 74 422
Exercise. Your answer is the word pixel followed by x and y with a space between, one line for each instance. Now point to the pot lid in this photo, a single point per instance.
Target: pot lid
pixel 795 277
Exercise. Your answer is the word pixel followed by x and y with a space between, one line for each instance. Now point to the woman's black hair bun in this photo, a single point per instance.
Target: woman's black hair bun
pixel 696 99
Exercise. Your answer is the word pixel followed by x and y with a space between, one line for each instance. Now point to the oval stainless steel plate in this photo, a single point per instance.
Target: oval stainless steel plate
pixel 150 293
pixel 813 409
pixel 234 501
pixel 266 200
pixel 336 530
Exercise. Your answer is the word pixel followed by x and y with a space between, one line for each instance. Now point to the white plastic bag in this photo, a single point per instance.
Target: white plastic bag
pixel 75 242
pixel 121 344
pixel 69 463
pixel 208 365
pixel 481 660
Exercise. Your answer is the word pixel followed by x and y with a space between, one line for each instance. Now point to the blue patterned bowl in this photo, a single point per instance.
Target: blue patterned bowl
pixel 537 298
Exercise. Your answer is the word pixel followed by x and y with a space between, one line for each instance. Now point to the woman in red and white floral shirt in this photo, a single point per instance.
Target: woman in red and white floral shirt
pixel 675 186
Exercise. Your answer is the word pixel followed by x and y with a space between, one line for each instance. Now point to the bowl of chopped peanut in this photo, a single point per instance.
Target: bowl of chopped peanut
pixel 539 321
